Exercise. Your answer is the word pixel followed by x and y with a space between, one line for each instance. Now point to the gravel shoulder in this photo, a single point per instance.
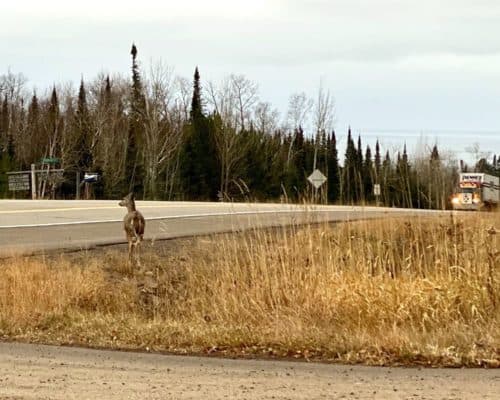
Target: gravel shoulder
pixel 48 372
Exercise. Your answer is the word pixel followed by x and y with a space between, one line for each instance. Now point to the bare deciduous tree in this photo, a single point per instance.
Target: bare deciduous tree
pixel 162 124
pixel 323 116
pixel 266 118
pixel 245 93
pixel 232 101
pixel 299 108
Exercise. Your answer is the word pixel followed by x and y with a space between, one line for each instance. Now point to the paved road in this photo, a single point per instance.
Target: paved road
pixel 29 226
pixel 45 372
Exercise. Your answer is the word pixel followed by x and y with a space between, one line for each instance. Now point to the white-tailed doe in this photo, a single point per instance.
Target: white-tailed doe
pixel 134 225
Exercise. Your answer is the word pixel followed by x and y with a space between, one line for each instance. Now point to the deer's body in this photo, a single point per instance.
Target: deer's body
pixel 133 223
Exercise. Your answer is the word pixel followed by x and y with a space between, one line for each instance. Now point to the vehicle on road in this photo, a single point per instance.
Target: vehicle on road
pixel 476 191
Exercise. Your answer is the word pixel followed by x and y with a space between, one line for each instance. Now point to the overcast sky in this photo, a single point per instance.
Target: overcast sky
pixel 392 65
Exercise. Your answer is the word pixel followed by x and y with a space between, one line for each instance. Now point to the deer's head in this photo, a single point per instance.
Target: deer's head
pixel 128 201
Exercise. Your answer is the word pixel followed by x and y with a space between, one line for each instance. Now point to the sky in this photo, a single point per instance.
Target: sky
pixel 410 71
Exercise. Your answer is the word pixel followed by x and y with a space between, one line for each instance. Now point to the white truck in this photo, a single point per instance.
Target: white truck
pixel 476 191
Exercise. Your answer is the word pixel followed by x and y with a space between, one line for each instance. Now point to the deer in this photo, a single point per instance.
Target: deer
pixel 134 225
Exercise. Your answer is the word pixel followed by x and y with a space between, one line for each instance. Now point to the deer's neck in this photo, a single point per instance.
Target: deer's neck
pixel 131 207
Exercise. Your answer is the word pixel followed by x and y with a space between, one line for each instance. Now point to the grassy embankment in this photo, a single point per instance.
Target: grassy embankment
pixel 380 292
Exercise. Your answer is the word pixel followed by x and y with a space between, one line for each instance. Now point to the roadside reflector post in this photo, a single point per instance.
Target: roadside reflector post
pixel 33 182
pixel 78 185
pixel 376 192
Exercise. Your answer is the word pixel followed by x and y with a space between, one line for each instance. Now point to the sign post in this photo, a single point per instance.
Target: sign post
pixel 376 192
pixel 33 182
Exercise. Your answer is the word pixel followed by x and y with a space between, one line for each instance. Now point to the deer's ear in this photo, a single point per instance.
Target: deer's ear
pixel 131 195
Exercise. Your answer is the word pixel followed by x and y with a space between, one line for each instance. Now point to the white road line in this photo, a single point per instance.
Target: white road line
pixel 116 207
pixel 173 217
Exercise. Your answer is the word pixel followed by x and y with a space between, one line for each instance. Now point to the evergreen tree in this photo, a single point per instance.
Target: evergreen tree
pixel 386 175
pixel 54 126
pixel 403 187
pixel 377 162
pixel 333 172
pixel 134 169
pixel 196 103
pixel 82 149
pixel 349 175
pixel 359 171
pixel 4 124
pixel 435 183
pixel 33 133
pixel 5 157
pixel 200 168
pixel 368 174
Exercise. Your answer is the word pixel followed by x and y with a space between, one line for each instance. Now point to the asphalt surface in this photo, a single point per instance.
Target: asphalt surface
pixel 45 372
pixel 28 226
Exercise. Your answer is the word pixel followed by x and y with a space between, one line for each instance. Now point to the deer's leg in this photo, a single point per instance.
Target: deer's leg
pixel 137 252
pixel 130 249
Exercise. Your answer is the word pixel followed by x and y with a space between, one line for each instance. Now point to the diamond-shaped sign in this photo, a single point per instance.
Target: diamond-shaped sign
pixel 317 178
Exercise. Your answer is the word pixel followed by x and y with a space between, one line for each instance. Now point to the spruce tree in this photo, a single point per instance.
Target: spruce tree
pixel 349 175
pixel 359 171
pixel 386 176
pixel 404 187
pixel 377 162
pixel 368 174
pixel 134 171
pixel 199 166
pixel 4 124
pixel 54 125
pixel 333 172
pixel 82 121
pixel 196 103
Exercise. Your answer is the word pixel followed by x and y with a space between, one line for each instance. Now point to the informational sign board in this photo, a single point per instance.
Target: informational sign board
pixel 317 178
pixel 376 189
pixel 18 182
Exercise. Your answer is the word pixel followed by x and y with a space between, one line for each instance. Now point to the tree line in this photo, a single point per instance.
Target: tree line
pixel 167 138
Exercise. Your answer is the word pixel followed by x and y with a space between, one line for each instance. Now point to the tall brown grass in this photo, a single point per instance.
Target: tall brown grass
pixel 389 291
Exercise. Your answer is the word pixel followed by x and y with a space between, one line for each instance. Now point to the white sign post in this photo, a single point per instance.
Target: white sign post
pixel 317 179
pixel 376 192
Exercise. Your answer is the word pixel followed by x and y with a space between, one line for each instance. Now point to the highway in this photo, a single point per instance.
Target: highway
pixel 28 226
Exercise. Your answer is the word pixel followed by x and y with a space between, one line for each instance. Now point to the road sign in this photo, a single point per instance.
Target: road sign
pixel 19 182
pixel 49 160
pixel 317 178
pixel 376 189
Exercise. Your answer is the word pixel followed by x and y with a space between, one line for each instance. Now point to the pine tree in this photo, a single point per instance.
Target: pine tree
pixel 404 187
pixel 33 131
pixel 349 175
pixel 200 168
pixel 435 183
pixel 386 187
pixel 82 121
pixel 359 171
pixel 54 125
pixel 196 103
pixel 333 172
pixel 368 175
pixel 5 158
pixel 4 124
pixel 378 162
pixel 134 171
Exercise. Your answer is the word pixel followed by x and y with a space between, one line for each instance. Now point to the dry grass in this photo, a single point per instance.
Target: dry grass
pixel 378 292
